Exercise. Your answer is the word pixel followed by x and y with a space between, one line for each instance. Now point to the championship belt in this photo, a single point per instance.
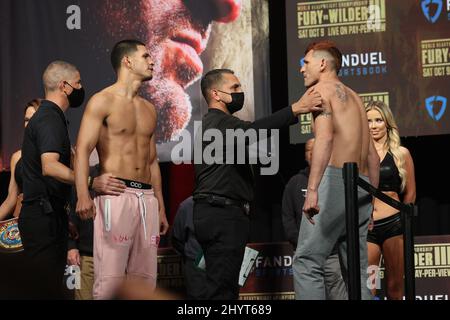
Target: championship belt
pixel 10 240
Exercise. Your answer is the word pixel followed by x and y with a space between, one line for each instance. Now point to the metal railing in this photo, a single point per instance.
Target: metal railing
pixel 407 211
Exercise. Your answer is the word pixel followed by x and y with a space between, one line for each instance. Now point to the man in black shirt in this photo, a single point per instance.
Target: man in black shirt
pixel 294 197
pixel 185 243
pixel 223 190
pixel 43 221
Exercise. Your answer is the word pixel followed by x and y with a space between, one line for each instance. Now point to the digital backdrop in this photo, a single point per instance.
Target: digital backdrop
pixel 185 39
pixel 395 51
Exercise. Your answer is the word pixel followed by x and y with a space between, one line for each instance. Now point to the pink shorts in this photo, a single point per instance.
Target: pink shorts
pixel 126 238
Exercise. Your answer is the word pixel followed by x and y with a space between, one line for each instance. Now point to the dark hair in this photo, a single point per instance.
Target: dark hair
pixel 121 49
pixel 330 47
pixel 212 78
pixel 35 103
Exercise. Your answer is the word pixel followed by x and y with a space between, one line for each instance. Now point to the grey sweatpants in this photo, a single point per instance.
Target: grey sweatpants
pixel 316 242
pixel 335 288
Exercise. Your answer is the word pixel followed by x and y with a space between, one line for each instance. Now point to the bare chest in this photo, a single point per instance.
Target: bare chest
pixel 130 121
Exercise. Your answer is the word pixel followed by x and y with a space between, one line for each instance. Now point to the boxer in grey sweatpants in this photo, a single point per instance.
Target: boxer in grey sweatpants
pixel 316 241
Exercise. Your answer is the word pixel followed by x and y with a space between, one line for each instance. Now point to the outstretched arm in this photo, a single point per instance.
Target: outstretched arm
pixel 311 101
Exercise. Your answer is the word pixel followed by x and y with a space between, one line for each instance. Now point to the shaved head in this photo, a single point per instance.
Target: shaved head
pixel 56 72
pixel 322 54
pixel 326 49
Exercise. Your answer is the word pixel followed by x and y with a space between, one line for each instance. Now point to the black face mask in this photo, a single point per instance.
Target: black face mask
pixel 76 98
pixel 237 101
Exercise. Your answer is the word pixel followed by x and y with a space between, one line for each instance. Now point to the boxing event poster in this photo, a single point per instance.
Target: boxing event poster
pixel 184 38
pixel 432 269
pixel 394 51
pixel 271 277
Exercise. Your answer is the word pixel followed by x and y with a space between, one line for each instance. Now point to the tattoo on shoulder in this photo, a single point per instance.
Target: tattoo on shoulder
pixel 340 91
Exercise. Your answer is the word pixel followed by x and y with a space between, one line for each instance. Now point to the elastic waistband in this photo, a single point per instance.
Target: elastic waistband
pixel 332 171
pixel 136 184
pixel 394 218
pixel 127 192
pixel 335 171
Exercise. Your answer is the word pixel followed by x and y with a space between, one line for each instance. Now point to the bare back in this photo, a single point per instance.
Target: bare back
pixel 350 130
pixel 126 144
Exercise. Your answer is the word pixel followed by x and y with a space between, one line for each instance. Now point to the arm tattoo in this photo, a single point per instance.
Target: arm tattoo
pixel 325 113
pixel 340 91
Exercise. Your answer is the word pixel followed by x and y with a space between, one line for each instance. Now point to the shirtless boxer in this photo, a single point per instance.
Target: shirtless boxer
pixel 342 136
pixel 121 125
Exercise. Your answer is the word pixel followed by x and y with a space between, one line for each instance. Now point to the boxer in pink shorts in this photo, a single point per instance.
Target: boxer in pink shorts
pixel 120 125
pixel 126 238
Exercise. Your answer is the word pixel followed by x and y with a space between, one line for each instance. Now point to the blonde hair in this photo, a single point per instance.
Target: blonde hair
pixel 393 137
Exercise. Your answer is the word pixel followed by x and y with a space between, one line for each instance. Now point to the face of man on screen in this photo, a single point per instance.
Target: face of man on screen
pixel 176 33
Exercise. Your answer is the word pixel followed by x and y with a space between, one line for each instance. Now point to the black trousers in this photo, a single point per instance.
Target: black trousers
pixel 223 233
pixel 12 275
pixel 44 237
pixel 194 280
